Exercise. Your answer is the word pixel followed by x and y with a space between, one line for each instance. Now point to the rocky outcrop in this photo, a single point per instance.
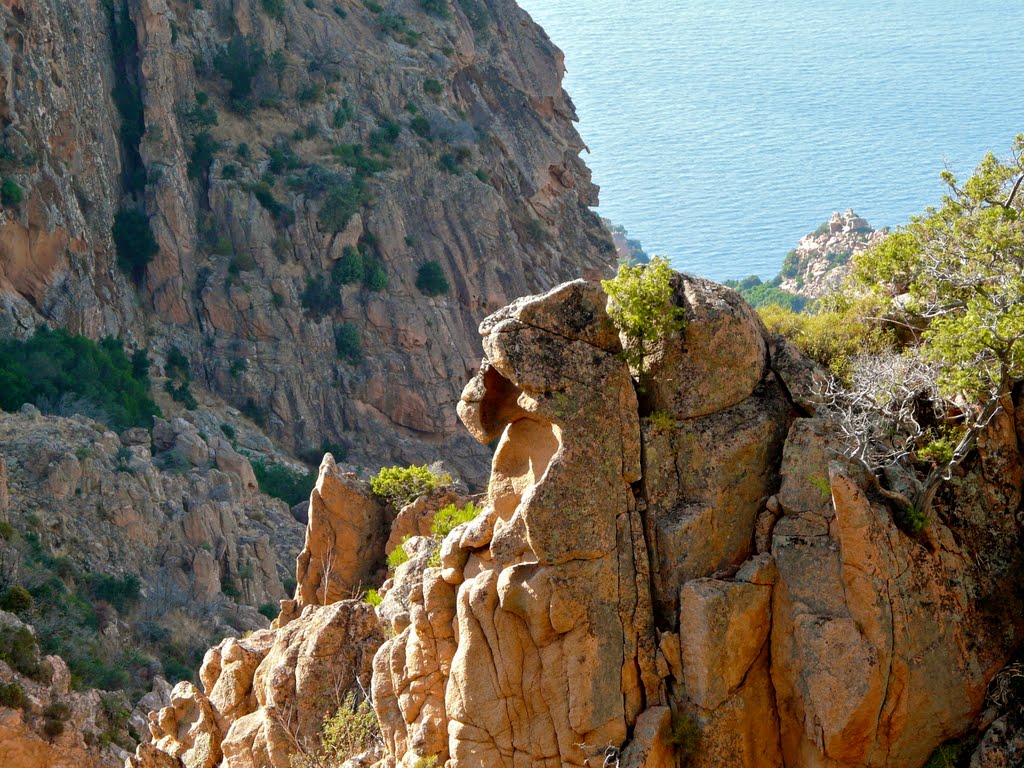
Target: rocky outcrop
pixel 449 134
pixel 711 585
pixel 264 697
pixel 179 512
pixel 821 260
pixel 344 545
pixel 706 581
pixel 44 723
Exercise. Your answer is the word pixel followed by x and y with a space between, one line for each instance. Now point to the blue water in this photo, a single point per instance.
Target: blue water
pixel 721 131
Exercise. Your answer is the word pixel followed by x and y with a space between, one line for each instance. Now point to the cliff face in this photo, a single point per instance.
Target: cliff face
pixel 416 138
pixel 693 578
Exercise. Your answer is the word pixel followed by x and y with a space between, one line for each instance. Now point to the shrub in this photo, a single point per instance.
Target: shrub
pixel 436 8
pixel 134 241
pixel 347 344
pixel 204 147
pixel 684 736
pixel 273 8
pixel 269 610
pixel 477 14
pixel 835 333
pixel 10 193
pixel 641 307
pixel 352 729
pixel 121 592
pixel 16 599
pixel 341 205
pixel 352 155
pixel 283 482
pixel 374 276
pixel 449 518
pixel 433 87
pixel 384 136
pixel 430 279
pixel 320 297
pixel 398 555
pixel 19 650
pixel 402 485
pixel 6 530
pixel 420 126
pixel 343 114
pixel 349 268
pixel 228 430
pixel 73 373
pixel 373 597
pixel 239 62
pixel 452 162
pixel 265 197
pixel 12 695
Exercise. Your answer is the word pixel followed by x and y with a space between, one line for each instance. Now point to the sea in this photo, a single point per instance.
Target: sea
pixel 722 131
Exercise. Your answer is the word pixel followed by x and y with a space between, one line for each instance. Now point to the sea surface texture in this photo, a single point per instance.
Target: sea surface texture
pixel 722 131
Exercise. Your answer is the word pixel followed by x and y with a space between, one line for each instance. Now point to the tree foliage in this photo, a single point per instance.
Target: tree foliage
pixel 63 373
pixel 641 307
pixel 402 485
pixel 952 283
pixel 134 241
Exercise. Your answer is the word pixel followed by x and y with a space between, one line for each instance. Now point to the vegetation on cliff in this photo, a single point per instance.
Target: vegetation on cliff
pixel 62 373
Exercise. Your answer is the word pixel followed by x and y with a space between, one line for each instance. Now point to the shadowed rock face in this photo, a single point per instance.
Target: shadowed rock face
pixel 227 284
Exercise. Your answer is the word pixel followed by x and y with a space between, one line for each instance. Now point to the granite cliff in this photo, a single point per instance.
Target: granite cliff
pixel 693 577
pixel 336 192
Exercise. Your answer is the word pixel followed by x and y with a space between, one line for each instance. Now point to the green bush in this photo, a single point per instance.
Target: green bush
pixel 273 8
pixel 10 193
pixel 452 162
pixel 373 597
pixel 282 482
pixel 18 648
pixel 436 8
pixel 320 297
pixel 122 592
pixel 134 241
pixel 374 276
pixel 433 87
pixel 54 368
pixel 269 610
pixel 641 307
pixel 6 530
pixel 349 268
pixel 384 136
pixel 759 294
pixel 477 14
pixel 341 205
pixel 430 279
pixel 12 695
pixel 16 599
pixel 835 333
pixel 402 485
pixel 353 156
pixel 420 126
pixel 398 555
pixel 239 62
pixel 447 519
pixel 347 343
pixel 204 147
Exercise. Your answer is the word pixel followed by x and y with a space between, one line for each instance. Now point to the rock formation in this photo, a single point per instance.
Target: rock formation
pixel 707 580
pixel 179 511
pixel 695 575
pixel 821 260
pixel 44 723
pixel 451 131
